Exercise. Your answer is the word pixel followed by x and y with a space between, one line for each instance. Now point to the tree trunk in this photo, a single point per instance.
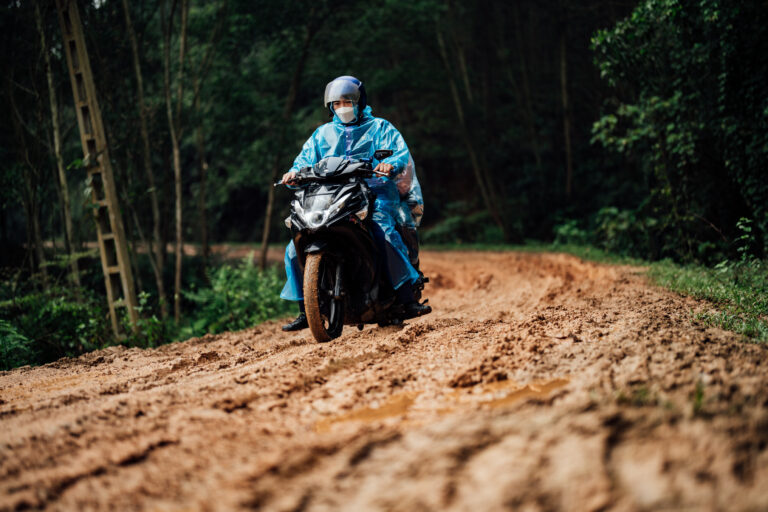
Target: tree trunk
pixel 37 232
pixel 480 176
pixel 526 89
pixel 566 115
pixel 3 228
pixel 32 210
pixel 202 161
pixel 268 214
pixel 29 193
pixel 63 187
pixel 205 248
pixel 156 247
pixel 290 101
pixel 174 124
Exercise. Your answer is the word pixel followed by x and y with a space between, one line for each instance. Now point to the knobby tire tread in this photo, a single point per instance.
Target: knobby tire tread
pixel 312 298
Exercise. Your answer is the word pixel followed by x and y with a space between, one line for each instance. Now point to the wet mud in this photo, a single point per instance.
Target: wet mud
pixel 540 382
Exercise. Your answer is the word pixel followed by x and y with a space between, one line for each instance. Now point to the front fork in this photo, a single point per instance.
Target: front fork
pixel 337 295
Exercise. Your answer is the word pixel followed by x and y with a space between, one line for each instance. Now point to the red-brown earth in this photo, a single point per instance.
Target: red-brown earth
pixel 539 382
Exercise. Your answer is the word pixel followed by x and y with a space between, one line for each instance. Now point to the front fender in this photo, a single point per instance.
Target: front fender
pixel 315 247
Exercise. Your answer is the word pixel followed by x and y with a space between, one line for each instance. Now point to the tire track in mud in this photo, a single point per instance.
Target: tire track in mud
pixel 540 382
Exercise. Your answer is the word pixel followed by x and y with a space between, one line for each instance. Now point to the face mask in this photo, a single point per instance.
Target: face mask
pixel 346 114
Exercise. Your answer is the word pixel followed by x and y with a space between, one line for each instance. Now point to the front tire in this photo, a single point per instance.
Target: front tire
pixel 325 313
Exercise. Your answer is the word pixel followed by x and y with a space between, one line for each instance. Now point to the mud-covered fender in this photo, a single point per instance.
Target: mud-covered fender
pixel 316 247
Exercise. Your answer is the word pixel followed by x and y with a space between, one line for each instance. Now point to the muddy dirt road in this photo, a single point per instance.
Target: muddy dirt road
pixel 540 382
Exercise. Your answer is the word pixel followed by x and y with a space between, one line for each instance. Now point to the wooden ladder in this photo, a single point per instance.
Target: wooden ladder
pixel 118 277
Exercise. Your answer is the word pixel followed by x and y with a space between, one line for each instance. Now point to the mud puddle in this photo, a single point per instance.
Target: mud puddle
pixel 395 406
pixel 495 394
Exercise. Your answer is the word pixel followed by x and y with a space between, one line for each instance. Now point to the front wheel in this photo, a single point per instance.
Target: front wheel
pixel 323 303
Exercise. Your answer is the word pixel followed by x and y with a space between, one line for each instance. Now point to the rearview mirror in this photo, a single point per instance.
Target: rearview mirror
pixel 381 154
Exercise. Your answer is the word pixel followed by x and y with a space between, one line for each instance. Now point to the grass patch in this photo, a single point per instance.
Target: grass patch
pixel 738 290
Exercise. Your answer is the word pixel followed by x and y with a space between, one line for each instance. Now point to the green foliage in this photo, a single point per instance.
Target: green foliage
pixel 40 327
pixel 463 226
pixel 15 348
pixel 239 296
pixel 745 242
pixel 44 326
pixel 692 110
pixel 622 232
pixel 150 330
pixel 570 232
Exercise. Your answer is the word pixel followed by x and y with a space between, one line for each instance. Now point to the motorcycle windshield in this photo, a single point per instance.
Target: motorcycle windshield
pixel 318 200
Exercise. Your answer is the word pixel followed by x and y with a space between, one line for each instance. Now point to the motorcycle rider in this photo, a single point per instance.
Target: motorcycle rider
pixel 355 133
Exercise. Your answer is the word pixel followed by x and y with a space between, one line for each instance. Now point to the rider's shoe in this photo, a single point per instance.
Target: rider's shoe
pixel 298 324
pixel 415 309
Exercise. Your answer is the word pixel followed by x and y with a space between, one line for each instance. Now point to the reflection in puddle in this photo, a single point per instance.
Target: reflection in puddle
pixel 536 389
pixel 504 392
pixel 493 395
pixel 395 406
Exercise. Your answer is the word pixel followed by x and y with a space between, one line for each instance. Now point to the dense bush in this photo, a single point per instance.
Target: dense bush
pixel 39 327
pixel 463 226
pixel 239 296
pixel 691 107
pixel 15 348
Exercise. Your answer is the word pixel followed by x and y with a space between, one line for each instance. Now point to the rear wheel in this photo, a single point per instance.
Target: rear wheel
pixel 323 304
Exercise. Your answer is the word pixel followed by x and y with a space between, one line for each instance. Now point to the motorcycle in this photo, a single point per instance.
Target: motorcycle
pixel 331 223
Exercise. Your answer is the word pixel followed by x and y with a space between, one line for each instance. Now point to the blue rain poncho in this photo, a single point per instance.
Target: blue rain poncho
pixel 359 141
pixel 411 207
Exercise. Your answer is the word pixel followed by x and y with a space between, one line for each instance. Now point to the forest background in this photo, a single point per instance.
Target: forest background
pixel 640 128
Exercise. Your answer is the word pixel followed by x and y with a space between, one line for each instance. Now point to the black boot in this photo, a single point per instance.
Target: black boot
pixel 298 324
pixel 415 309
pixel 412 309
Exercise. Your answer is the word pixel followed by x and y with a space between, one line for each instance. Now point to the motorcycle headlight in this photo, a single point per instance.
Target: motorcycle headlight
pixel 362 214
pixel 316 218
pixel 288 222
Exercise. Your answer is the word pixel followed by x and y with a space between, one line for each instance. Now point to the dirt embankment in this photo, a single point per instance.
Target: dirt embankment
pixel 540 382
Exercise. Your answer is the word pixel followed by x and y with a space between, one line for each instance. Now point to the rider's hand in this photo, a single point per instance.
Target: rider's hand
pixel 288 177
pixel 384 169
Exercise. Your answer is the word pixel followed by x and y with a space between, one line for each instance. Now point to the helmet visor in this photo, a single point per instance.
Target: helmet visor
pixel 341 90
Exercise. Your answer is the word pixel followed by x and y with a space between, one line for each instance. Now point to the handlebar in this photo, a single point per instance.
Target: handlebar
pixel 302 180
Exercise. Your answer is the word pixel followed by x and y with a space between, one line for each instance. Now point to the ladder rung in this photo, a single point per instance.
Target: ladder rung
pixel 108 236
pixel 102 203
pixel 113 270
pixel 119 304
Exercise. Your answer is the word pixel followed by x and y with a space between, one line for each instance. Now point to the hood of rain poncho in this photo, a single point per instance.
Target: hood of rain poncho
pixel 411 207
